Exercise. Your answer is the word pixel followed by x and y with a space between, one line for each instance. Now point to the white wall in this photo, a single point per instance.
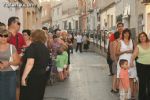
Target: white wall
pixel 6 12
pixel 147 19
pixel 110 11
pixel 57 16
pixel 19 13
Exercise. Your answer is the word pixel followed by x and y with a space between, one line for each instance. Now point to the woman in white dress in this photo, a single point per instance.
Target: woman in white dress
pixel 125 50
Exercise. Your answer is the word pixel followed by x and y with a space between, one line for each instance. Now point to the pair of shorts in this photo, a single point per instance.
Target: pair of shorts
pixel 65 66
pixel 59 69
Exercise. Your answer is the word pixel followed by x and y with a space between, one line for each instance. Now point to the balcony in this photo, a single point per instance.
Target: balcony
pixel 146 2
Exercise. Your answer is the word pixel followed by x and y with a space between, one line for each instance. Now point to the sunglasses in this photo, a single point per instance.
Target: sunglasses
pixel 5 36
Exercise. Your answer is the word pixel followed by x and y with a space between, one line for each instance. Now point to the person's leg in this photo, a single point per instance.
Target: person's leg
pixel 147 77
pixel 77 47
pixel 142 82
pixel 135 88
pixel 126 95
pixel 114 77
pixel 80 47
pixel 114 83
pixel 36 87
pixel 61 76
pixel 8 85
pixel 131 87
pixel 110 69
pixel 67 70
pixel 17 93
pixel 71 48
pixel 65 73
pixel 18 84
pixel 148 86
pixel 122 94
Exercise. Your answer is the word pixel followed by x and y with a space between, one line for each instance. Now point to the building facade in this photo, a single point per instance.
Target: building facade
pixel 32 15
pixel 107 15
pixel 65 14
pixel 92 10
pixel 57 15
pixel 46 13
pixel 146 3
pixel 28 12
pixel 82 5
pixel 134 14
pixel 70 16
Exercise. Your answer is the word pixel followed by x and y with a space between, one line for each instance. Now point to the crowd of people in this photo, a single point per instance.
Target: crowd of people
pixel 25 60
pixel 129 64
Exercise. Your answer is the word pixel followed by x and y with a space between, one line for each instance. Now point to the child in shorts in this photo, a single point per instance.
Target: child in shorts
pixel 124 79
pixel 60 62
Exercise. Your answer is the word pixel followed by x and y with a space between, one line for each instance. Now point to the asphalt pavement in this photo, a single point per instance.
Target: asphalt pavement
pixel 88 80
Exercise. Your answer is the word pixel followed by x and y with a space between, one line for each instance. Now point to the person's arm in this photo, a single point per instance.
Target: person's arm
pixel 28 68
pixel 115 52
pixel 118 53
pixel 134 55
pixel 49 44
pixel 111 50
pixel 16 59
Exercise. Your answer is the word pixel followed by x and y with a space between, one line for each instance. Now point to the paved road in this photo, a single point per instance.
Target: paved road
pixel 89 80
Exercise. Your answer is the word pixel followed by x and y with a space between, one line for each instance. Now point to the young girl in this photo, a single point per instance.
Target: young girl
pixel 61 61
pixel 124 79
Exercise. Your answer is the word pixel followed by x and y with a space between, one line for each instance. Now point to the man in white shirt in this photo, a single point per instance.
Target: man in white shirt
pixel 79 42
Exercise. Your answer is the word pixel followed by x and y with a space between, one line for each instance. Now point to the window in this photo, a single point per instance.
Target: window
pixel 140 23
pixel 76 24
pixel 111 20
pixel 57 11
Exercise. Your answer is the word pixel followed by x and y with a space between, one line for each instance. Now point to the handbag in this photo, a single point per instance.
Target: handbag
pixel 11 59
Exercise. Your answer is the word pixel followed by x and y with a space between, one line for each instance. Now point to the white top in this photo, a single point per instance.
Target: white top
pixel 79 38
pixel 127 56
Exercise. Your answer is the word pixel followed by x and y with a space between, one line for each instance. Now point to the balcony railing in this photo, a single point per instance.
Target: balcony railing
pixel 146 1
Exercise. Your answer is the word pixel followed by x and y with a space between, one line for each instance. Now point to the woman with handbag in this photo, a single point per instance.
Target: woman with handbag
pixel 7 71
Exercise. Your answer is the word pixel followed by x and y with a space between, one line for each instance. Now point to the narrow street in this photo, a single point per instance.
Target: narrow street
pixel 88 80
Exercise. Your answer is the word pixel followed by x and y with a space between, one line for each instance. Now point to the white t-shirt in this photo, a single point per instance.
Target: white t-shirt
pixel 79 38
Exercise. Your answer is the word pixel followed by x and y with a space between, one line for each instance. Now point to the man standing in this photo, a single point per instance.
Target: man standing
pixel 112 57
pixel 16 38
pixel 18 41
pixel 120 28
pixel 79 42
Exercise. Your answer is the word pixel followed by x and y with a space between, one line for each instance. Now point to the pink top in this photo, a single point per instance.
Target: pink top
pixel 124 79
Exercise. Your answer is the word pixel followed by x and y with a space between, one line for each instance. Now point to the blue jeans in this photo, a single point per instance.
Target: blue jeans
pixel 8 85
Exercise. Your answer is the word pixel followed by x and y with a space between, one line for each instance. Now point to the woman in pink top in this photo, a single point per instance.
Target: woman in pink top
pixel 124 79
